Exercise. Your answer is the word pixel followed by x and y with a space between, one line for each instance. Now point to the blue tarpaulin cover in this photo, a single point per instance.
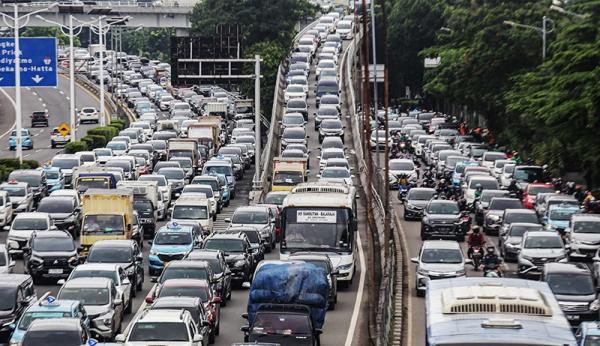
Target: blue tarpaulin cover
pixel 290 283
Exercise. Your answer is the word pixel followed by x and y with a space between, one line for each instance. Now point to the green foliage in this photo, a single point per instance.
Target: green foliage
pixel 63 39
pixel 119 124
pixel 94 141
pixel 152 43
pixel 76 146
pixel 9 165
pixel 108 132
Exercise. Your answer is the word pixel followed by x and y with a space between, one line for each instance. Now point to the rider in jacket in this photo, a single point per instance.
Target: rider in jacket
pixel 491 260
pixel 475 239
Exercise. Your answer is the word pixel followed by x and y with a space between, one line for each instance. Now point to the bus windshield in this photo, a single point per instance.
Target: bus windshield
pixel 318 228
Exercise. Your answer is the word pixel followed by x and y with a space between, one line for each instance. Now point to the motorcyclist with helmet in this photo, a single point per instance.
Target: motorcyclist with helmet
pixel 476 238
pixel 491 261
pixel 478 191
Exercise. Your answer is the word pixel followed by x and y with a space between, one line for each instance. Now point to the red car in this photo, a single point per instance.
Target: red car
pixel 197 289
pixel 531 192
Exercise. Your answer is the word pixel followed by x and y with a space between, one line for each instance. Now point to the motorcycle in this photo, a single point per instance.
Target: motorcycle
pixel 476 255
pixel 429 182
pixel 492 271
pixel 403 190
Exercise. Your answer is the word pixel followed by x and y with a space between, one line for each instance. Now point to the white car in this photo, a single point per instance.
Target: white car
pixel 486 182
pixel 332 153
pixel 259 217
pixel 400 167
pixel 294 92
pixel 345 28
pixel 323 64
pixel 89 114
pixel 336 175
pixel 23 226
pixel 8 263
pixel 6 210
pixel 438 259
pixel 164 103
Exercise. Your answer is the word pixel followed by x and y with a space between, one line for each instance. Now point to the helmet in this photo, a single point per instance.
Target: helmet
pixel 475 229
pixel 478 186
pixel 443 181
pixel 491 250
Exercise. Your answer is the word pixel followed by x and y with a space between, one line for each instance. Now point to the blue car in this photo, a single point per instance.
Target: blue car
pixel 588 333
pixel 54 179
pixel 458 171
pixel 171 242
pixel 558 216
pixel 47 307
pixel 225 192
pixel 26 139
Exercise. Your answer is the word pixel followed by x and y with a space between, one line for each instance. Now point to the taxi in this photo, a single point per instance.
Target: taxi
pixel 26 139
pixel 20 195
pixel 171 242
pixel 47 307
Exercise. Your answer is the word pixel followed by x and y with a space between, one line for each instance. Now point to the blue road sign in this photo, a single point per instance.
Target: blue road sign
pixel 38 61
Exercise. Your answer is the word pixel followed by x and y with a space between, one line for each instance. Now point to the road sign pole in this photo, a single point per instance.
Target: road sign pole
pixel 72 80
pixel 19 145
pixel 101 41
pixel 257 120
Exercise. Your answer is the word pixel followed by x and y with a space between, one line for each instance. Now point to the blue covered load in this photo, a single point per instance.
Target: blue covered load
pixel 290 283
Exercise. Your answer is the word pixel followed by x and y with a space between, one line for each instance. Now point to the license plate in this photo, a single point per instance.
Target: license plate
pixel 572 317
pixel 55 271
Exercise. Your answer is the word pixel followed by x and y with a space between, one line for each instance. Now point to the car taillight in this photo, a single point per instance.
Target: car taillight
pixel 149 299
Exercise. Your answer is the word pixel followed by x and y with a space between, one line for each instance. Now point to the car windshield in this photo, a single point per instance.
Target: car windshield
pixel 51 205
pixel 198 273
pixel 172 173
pixel 563 214
pixel 15 191
pixel 143 205
pixel 52 338
pixel 86 295
pixel 591 340
pixel 53 244
pixel 21 224
pixel 159 179
pixel 29 317
pixel 184 163
pixel 190 212
pixel 335 173
pixel 443 208
pixel 295 89
pixel 189 291
pixel 32 180
pixel 521 217
pixel 226 245
pixel 218 169
pixel 110 254
pixel 290 178
pixel 417 195
pixel 296 104
pixel 250 217
pixel 23 133
pixel 487 196
pixel 518 231
pixel 535 190
pixel 401 166
pixel 332 154
pixel 275 198
pixel 441 256
pixel 487 184
pixel 117 145
pixel 173 238
pixel 332 125
pixel 159 331
pixel 503 204
pixel 91 273
pixel 65 163
pixel 103 224
pixel 281 324
pixel 491 157
pixel 52 175
pixel 543 242
pixel 571 284
pixel 292 133
pixel 529 174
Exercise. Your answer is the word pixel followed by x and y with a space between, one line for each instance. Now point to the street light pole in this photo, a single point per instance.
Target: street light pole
pixel 101 42
pixel 17 54
pixel 543 30
pixel 257 120
pixel 375 98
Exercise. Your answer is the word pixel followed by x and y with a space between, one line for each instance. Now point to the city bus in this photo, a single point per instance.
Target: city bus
pixel 321 217
pixel 494 311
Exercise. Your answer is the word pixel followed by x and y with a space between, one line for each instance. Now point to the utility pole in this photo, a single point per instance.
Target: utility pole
pixel 386 200
pixel 375 98
pixel 257 143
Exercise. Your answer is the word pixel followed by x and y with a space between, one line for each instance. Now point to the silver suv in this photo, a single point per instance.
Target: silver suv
pixel 584 235
pixel 537 249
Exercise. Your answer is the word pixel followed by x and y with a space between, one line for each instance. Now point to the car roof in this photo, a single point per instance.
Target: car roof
pixel 236 236
pixel 187 264
pixel 424 189
pixel 519 211
pixel 114 243
pixel 32 215
pixel 88 282
pixel 98 266
pixel 252 208
pixel 185 282
pixel 54 324
pixel 440 244
pixel 541 234
pixel 585 217
pixel 567 268
pixel 162 315
pixel 57 304
pixel 176 302
pixel 524 224
pixel 52 234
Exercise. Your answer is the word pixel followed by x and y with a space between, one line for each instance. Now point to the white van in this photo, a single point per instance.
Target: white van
pixel 193 208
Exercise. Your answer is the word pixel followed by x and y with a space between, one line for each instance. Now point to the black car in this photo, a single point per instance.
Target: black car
pixel 16 295
pixel 238 254
pixel 442 219
pixel 50 254
pixel 272 318
pixel 36 178
pixel 257 242
pixel 64 213
pixel 56 331
pixel 126 253
pixel 221 271
pixel 39 118
pixel 573 287
pixel 146 215
pixel 198 270
pixel 415 201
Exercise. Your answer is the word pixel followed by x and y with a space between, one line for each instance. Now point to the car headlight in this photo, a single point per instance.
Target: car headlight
pixel 527 258
pixel 426 220
pixel 423 272
pixel 513 246
pixel 153 253
pixel 239 263
pixel 595 305
pixel 494 217
pixel 345 266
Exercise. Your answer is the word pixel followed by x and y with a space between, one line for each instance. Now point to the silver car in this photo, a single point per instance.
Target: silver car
pixel 438 259
pixel 537 249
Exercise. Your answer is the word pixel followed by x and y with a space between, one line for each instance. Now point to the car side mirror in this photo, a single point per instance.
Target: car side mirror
pixel 414 259
pixel 53 228
pixel 117 302
pixel 227 220
pixel 12 263
pixel 139 258
pixel 120 338
pixel 245 329
pixel 7 228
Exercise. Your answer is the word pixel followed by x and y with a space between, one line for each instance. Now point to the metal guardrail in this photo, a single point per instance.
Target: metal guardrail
pixel 168 3
pixel 273 136
pixel 390 305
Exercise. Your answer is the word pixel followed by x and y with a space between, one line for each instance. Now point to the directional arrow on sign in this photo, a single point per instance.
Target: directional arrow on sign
pixel 37 79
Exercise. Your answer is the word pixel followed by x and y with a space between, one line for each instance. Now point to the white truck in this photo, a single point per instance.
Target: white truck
pixel 216 108
pixel 145 202
pixel 177 147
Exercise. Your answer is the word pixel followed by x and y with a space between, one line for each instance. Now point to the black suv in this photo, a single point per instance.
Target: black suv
pixel 238 254
pixel 69 331
pixel 126 253
pixel 36 178
pixel 39 118
pixel 16 295
pixel 257 242
pixel 221 272
pixel 50 254
pixel 442 219
pixel 64 212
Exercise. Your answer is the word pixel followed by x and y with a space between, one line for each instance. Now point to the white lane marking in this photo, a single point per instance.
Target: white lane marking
pixel 44 105
pixel 61 92
pixel 27 155
pixel 14 106
pixel 68 98
pixel 359 295
pixel 40 99
pixel 38 150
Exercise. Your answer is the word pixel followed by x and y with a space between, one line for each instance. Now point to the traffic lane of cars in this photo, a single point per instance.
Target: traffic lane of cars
pixel 56 101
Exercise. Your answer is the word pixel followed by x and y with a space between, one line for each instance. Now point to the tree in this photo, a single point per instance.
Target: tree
pixel 63 40
pixel 151 43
